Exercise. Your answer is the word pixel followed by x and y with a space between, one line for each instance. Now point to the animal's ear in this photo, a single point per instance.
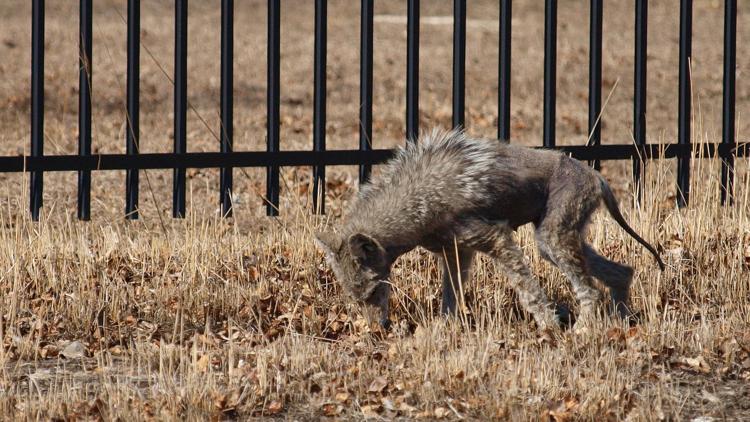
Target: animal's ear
pixel 328 242
pixel 366 249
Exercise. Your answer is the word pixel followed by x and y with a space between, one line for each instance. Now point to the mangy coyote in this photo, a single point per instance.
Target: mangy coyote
pixel 456 196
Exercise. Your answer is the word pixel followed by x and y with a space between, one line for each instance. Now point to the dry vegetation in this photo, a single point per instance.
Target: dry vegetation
pixel 208 318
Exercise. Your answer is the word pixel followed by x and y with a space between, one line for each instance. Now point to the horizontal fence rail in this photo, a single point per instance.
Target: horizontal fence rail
pixel 273 158
pixel 333 157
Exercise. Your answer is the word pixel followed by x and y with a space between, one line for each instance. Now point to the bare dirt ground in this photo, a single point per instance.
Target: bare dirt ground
pixel 204 318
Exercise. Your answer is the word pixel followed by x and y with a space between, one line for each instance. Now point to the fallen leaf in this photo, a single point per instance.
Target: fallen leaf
pixel 116 351
pixel 201 365
pixel 74 350
pixel 711 397
pixel 388 404
pixel 332 409
pixel 698 364
pixel 220 401
pixel 49 351
pixel 441 412
pixel 562 410
pixel 616 335
pixel 407 408
pixel 342 397
pixel 274 407
pixel 377 385
pixel 371 410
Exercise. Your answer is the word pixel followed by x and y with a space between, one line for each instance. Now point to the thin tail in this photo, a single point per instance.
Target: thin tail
pixel 614 210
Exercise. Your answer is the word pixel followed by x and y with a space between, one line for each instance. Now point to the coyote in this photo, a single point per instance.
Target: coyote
pixel 455 196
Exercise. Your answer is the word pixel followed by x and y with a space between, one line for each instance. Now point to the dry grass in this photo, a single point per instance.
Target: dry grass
pixel 207 318
pixel 215 318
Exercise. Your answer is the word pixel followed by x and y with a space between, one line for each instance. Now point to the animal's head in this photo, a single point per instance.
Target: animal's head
pixel 361 266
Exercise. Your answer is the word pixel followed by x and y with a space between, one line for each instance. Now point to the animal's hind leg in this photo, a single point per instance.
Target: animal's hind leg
pixel 574 195
pixel 565 248
pixel 456 265
pixel 615 276
pixel 498 242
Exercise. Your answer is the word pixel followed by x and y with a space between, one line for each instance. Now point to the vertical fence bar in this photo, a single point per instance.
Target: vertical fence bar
pixel 595 75
pixel 227 103
pixel 685 94
pixel 728 115
pixel 84 107
pixel 365 84
pixel 180 104
pixel 132 136
pixel 412 70
pixel 273 98
pixel 639 87
pixel 319 103
pixel 459 63
pixel 503 94
pixel 37 104
pixel 550 71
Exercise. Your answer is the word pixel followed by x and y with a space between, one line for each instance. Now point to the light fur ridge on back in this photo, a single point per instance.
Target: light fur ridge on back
pixel 438 177
pixel 440 153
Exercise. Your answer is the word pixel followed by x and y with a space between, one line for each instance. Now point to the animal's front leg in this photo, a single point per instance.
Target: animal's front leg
pixel 456 264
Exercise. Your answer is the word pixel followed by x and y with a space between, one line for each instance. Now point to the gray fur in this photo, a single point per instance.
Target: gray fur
pixel 455 196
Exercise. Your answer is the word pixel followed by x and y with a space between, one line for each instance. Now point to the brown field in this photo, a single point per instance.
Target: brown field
pixel 205 318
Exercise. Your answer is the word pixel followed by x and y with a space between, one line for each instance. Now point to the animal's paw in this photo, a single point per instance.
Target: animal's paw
pixel 385 323
pixel 633 318
pixel 622 310
pixel 565 318
pixel 589 319
pixel 548 320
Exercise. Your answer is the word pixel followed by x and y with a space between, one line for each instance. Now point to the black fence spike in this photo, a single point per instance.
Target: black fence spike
pixel 319 103
pixel 132 135
pixel 180 105
pixel 550 72
pixel 684 102
pixel 728 111
pixel 36 184
pixel 226 104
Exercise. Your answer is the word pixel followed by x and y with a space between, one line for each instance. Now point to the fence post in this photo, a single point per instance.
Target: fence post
pixel 180 104
pixel 37 105
pixel 639 94
pixel 685 98
pixel 550 71
pixel 227 103
pixel 459 63
pixel 503 94
pixel 595 76
pixel 132 136
pixel 365 85
pixel 84 107
pixel 412 70
pixel 319 104
pixel 273 98
pixel 728 112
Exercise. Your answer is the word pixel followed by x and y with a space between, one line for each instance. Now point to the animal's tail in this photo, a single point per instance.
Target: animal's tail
pixel 614 210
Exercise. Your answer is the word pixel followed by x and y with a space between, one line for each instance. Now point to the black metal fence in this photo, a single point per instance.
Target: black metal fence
pixel 319 157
